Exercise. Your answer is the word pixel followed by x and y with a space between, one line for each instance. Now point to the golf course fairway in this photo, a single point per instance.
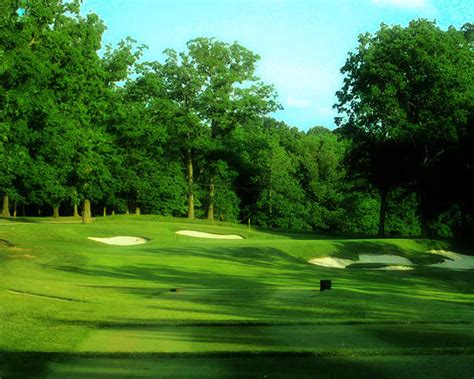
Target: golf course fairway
pixel 178 306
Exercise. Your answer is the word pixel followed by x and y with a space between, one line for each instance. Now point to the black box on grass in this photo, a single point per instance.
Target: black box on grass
pixel 324 284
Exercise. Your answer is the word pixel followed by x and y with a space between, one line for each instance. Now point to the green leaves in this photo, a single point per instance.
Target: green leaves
pixel 405 102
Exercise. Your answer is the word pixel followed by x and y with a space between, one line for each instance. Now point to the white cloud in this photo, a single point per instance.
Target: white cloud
pixel 410 4
pixel 298 103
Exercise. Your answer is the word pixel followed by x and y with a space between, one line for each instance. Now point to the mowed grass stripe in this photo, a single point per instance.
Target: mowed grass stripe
pixel 398 366
pixel 292 338
pixel 236 365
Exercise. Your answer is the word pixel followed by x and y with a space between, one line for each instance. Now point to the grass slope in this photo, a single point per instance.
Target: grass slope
pixel 250 307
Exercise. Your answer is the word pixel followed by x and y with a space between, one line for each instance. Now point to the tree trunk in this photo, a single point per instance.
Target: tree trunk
pixel 270 203
pixel 464 224
pixel 137 211
pixel 6 207
pixel 75 202
pixel 113 213
pixel 14 209
pixel 382 212
pixel 425 214
pixel 210 209
pixel 76 211
pixel 425 227
pixel 190 187
pixel 86 212
pixel 55 212
pixel 105 211
pixel 270 208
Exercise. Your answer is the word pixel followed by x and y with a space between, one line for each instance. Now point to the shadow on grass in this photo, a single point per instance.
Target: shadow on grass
pixel 233 272
pixel 253 278
pixel 436 337
pixel 27 220
pixel 6 243
pixel 348 249
pixel 231 365
pixel 297 235
pixel 321 339
pixel 465 247
pixel 24 364
pixel 149 365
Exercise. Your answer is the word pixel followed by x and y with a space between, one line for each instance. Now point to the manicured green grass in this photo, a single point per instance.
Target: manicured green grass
pixel 68 304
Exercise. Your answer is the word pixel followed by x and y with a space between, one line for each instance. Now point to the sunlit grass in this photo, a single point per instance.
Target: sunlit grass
pixel 64 294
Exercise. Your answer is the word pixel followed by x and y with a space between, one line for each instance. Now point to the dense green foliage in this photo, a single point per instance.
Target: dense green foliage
pixel 407 105
pixel 193 135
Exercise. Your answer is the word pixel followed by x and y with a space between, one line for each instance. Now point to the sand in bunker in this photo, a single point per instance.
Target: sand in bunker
pixel 393 268
pixel 120 240
pixel 363 258
pixel 385 258
pixel 455 261
pixel 192 233
pixel 331 262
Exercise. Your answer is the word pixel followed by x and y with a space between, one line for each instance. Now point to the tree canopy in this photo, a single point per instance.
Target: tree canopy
pixel 406 100
pixel 193 135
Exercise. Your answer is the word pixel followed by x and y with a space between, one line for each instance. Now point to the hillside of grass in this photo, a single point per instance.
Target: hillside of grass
pixel 69 303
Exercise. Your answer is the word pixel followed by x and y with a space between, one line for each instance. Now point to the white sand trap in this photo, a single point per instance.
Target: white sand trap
pixel 383 258
pixel 192 233
pixel 120 240
pixel 455 261
pixel 393 268
pixel 332 262
pixel 364 258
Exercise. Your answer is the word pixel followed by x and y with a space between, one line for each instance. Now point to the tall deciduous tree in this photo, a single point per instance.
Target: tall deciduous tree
pixel 152 179
pixel 23 71
pixel 217 82
pixel 182 86
pixel 323 176
pixel 406 95
pixel 83 100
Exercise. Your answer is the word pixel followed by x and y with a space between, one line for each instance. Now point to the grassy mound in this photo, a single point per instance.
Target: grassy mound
pixel 253 302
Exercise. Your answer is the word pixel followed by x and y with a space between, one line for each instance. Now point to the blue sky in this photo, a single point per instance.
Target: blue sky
pixel 302 43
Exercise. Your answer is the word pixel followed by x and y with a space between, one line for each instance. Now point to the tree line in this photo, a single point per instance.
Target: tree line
pixel 93 127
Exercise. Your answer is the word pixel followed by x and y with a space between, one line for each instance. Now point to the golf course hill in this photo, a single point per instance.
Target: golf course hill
pixel 147 296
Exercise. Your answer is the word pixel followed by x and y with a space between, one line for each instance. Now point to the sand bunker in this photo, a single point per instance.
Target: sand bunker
pixel 191 233
pixel 393 260
pixel 393 268
pixel 385 259
pixel 120 240
pixel 331 262
pixel 455 261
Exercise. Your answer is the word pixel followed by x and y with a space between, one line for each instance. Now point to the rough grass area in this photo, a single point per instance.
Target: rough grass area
pixel 244 308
